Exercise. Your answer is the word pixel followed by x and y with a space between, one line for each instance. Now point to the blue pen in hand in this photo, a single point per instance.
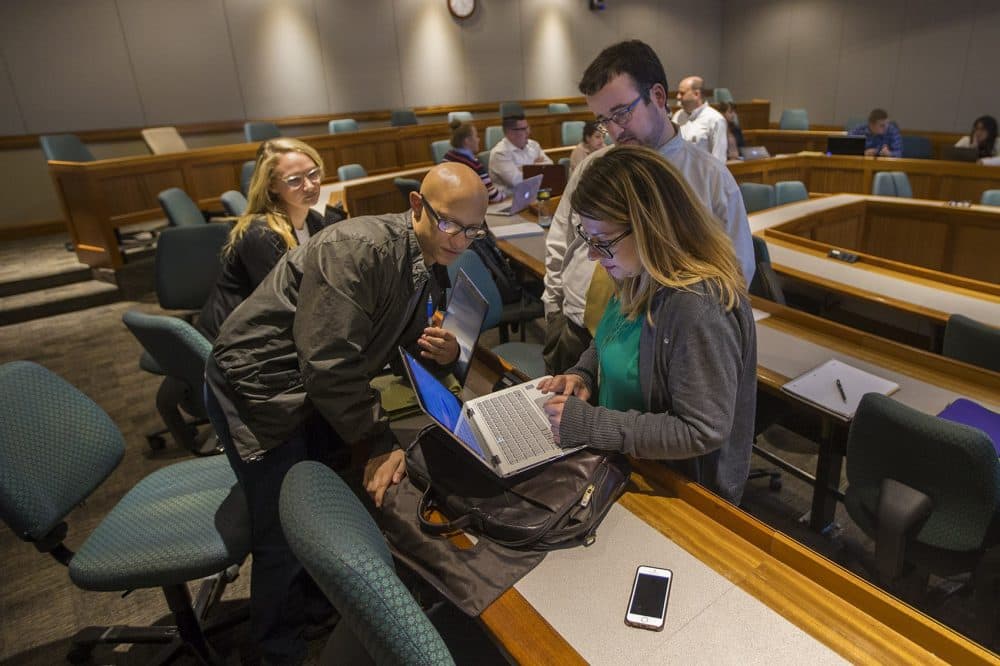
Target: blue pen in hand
pixel 430 310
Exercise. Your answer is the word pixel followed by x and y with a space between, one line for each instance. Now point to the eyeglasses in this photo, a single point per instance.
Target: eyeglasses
pixel 621 117
pixel 314 176
pixel 453 228
pixel 603 248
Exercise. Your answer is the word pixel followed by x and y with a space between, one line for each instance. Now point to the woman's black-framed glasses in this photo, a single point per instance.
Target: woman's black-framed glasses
pixel 621 117
pixel 603 248
pixel 453 228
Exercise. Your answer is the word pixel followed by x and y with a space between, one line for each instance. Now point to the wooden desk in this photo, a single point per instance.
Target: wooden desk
pixel 794 141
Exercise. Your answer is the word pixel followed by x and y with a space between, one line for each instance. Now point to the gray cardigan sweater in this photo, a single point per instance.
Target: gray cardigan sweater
pixel 698 376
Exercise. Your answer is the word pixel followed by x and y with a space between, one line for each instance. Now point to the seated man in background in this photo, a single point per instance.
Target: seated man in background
pixel 700 124
pixel 882 138
pixel 513 151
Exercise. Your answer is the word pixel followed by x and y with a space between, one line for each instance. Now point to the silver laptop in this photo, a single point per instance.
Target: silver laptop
pixel 507 431
pixel 467 308
pixel 754 152
pixel 524 193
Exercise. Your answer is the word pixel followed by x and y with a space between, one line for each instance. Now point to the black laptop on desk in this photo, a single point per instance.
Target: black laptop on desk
pixel 959 153
pixel 845 145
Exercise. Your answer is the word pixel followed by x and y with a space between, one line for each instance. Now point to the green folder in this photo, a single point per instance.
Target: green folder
pixel 399 400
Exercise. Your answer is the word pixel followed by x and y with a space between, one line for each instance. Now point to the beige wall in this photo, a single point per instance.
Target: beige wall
pixel 931 64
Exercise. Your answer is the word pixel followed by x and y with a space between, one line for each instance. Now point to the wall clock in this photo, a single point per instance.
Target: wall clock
pixel 461 9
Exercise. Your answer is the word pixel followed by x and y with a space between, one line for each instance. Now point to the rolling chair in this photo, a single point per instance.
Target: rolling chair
pixel 971 341
pixel 181 523
pixel 990 198
pixel 558 107
pixel 720 95
pixel 789 191
pixel 233 202
pixel 350 172
pixel 163 140
pixel 572 132
pixel 493 136
pixel 402 117
pixel 246 175
pixel 338 543
pixel 180 209
pixel 484 158
pixel 461 116
pixel 794 119
pixel 925 489
pixel 405 186
pixel 891 184
pixel 854 121
pixel 511 109
pixel 65 148
pixel 917 147
pixel 757 196
pixel 342 125
pixel 439 149
pixel 260 131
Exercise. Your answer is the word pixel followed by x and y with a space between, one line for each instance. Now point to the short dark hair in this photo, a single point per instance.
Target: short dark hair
pixel 632 57
pixel 511 120
pixel 877 115
pixel 590 128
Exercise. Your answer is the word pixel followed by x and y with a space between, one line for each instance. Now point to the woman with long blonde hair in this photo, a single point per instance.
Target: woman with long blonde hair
pixel 672 368
pixel 279 216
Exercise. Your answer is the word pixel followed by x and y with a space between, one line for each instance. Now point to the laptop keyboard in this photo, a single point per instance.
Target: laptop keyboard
pixel 521 433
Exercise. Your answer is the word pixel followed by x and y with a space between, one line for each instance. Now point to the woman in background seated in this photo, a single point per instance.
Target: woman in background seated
pixel 593 139
pixel 671 373
pixel 464 148
pixel 284 187
pixel 983 137
pixel 735 134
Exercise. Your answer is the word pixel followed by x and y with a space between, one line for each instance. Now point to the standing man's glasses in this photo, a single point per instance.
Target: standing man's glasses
pixel 621 117
pixel 453 228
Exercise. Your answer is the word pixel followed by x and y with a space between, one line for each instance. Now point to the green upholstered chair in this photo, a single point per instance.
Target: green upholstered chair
pixel 757 196
pixel 925 489
pixel 233 202
pixel 439 149
pixel 720 95
pixel 246 175
pixel 405 186
pixel 183 522
pixel 343 550
pixel 511 109
pixel 761 254
pixel 255 131
pixel 484 158
pixel 990 198
pixel 341 125
pixel 917 147
pixel 187 264
pixel 180 209
pixel 971 341
pixel 789 191
pixel 558 107
pixel 854 121
pixel 402 117
pixel 572 132
pixel 351 171
pixel 766 282
pixel 565 161
pixel 794 119
pixel 65 148
pixel 494 134
pixel 460 116
pixel 883 185
pixel 902 183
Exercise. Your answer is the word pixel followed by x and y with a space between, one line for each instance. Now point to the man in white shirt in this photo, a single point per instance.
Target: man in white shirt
pixel 626 88
pixel 700 124
pixel 513 151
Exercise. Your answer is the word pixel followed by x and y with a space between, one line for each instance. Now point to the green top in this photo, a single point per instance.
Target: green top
pixel 617 341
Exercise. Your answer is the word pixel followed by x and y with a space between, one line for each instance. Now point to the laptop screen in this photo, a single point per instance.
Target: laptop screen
pixel 464 317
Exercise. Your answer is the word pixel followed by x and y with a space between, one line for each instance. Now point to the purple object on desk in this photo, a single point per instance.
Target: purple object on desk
pixel 973 414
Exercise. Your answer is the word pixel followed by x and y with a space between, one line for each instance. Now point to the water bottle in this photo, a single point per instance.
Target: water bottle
pixel 544 208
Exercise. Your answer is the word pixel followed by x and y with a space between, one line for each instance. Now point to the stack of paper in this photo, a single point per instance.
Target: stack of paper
pixel 819 386
pixel 518 229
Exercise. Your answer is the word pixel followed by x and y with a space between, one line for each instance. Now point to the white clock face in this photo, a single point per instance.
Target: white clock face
pixel 462 8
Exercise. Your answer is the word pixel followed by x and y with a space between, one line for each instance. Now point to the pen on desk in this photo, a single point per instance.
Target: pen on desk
pixel 840 389
pixel 430 310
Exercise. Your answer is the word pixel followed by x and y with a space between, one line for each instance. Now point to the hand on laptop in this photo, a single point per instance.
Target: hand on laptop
pixel 383 471
pixel 439 345
pixel 565 385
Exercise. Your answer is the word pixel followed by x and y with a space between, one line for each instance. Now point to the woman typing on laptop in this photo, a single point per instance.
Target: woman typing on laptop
pixel 671 373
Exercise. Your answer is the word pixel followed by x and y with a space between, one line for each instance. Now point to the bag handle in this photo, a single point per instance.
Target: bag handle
pixel 438 529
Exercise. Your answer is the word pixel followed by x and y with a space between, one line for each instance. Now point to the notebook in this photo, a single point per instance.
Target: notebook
pixel 973 414
pixel 553 176
pixel 506 431
pixel 819 386
pixel 845 145
pixel 524 193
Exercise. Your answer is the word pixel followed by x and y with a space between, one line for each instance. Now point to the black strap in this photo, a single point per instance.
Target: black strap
pixel 438 529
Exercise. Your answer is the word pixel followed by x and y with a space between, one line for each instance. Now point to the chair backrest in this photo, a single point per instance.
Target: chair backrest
pixel 902 183
pixel 766 283
pixel 439 149
pixel 233 202
pixel 461 116
pixel 351 171
pixel 917 147
pixel 342 125
pixel 484 158
pixel 65 148
pixel 56 446
pixel 955 465
pixel 511 109
pixel 572 132
pixel 720 95
pixel 260 131
pixel 177 347
pixel 401 117
pixel 493 136
pixel 162 140
pixel 854 121
pixel 971 341
pixel 794 119
pixel 883 184
pixel 788 191
pixel 757 196
pixel 558 107
pixel 565 161
pixel 181 210
pixel 246 175
pixel 990 198
pixel 187 264
pixel 480 275
pixel 338 543
pixel 405 186
pixel 760 252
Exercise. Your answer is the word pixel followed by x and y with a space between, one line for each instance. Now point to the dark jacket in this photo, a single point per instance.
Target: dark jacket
pixel 323 323
pixel 698 374
pixel 244 268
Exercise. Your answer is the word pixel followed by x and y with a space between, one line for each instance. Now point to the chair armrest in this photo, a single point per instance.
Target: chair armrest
pixel 902 511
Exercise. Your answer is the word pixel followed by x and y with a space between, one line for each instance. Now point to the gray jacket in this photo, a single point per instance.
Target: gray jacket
pixel 697 371
pixel 323 323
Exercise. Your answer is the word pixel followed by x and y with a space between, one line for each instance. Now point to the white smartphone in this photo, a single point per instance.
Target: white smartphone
pixel 647 607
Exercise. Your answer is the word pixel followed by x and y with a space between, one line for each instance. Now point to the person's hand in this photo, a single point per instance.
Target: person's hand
pixel 884 151
pixel 554 409
pixel 540 159
pixel 439 345
pixel 565 385
pixel 383 471
pixel 870 152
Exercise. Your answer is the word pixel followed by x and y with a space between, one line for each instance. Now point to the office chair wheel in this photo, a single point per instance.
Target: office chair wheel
pixel 80 654
pixel 156 442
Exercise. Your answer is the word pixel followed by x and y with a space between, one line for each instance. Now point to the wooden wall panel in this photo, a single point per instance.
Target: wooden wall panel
pixel 974 252
pixel 834 180
pixel 918 242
